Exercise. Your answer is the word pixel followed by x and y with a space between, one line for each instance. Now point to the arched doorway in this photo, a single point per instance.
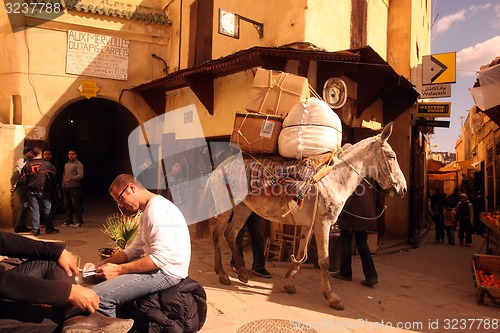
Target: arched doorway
pixel 98 129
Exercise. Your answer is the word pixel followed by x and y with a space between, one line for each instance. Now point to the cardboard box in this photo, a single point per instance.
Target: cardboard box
pixel 491 265
pixel 275 92
pixel 257 133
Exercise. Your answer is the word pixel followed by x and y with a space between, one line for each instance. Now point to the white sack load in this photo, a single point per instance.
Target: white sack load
pixel 310 128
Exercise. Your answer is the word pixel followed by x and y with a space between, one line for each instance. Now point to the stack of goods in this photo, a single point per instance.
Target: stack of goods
pixel 310 128
pixel 272 96
pixel 282 118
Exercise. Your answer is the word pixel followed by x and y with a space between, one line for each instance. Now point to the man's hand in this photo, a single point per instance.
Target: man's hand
pixel 109 271
pixel 68 262
pixel 84 298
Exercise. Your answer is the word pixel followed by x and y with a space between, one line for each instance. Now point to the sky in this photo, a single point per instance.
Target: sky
pixel 471 28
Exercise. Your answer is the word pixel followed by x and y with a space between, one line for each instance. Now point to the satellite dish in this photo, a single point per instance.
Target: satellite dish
pixel 335 92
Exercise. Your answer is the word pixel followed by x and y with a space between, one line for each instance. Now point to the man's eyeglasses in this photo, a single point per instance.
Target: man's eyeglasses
pixel 119 197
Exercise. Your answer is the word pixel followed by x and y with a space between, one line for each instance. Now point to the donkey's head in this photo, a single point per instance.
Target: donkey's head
pixel 387 172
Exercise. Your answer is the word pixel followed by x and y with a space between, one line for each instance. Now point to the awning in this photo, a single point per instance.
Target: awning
pixel 442 176
pixel 375 77
pixel 449 167
pixel 467 164
pixel 457 166
pixel 475 164
pixel 486 91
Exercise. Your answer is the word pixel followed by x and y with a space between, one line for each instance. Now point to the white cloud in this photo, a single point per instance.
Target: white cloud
pixel 447 21
pixel 470 59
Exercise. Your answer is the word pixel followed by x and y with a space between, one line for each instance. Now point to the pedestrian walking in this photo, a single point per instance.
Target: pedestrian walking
pixel 72 192
pixel 449 224
pixel 438 204
pixel 465 215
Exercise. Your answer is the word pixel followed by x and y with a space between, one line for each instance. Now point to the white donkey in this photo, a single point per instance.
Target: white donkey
pixel 372 157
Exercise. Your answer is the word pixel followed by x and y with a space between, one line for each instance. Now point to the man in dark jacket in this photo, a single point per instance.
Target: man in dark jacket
pixel 35 290
pixel 358 216
pixel 19 186
pixel 438 204
pixel 40 176
pixel 465 216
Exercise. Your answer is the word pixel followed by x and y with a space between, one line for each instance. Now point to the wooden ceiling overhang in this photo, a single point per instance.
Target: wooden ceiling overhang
pixel 375 78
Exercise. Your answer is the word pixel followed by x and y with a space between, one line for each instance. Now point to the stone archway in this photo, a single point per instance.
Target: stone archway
pixel 98 129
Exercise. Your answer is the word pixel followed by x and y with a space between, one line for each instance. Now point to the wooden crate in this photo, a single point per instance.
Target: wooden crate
pixel 491 264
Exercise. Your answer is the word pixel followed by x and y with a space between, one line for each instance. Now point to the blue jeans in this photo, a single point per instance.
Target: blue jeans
pixel 22 193
pixel 73 204
pixel 128 287
pixel 36 201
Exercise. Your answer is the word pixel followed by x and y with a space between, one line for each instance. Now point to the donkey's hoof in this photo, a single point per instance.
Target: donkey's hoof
pixel 337 305
pixel 224 279
pixel 243 277
pixel 291 289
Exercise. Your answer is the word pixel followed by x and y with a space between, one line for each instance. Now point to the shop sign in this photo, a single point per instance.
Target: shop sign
pixel 435 91
pixel 439 68
pixel 88 88
pixel 97 55
pixel 433 109
pixel 432 123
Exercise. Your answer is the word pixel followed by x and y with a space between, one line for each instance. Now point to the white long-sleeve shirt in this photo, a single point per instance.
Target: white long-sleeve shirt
pixel 163 235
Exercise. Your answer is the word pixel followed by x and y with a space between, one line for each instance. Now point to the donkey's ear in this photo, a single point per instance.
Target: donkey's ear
pixel 386 133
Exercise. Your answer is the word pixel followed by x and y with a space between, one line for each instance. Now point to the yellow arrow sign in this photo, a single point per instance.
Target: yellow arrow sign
pixel 439 68
pixel 88 88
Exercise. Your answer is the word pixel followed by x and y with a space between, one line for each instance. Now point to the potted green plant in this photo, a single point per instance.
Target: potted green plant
pixel 121 230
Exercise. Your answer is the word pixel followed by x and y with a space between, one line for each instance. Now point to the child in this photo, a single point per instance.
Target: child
pixel 449 224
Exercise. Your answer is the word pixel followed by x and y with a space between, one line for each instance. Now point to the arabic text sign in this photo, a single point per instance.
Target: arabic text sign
pixel 435 91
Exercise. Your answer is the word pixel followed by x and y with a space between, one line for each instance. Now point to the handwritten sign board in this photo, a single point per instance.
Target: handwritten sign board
pixel 97 55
